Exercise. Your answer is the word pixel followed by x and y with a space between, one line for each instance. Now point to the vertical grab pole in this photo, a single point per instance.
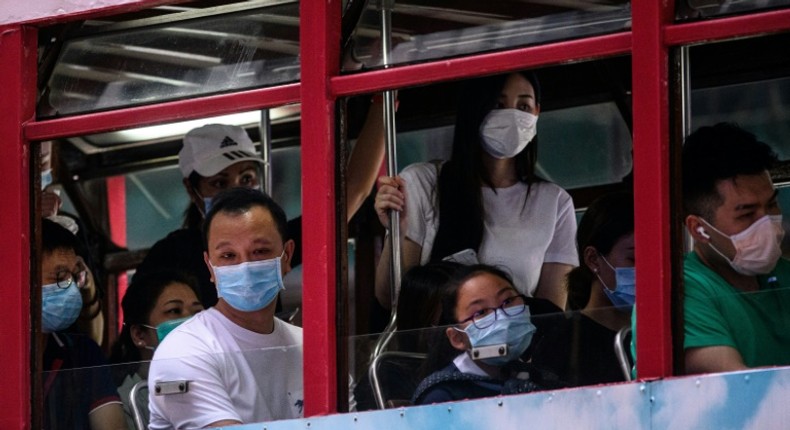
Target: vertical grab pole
pixel 265 133
pixel 392 162
pixel 395 238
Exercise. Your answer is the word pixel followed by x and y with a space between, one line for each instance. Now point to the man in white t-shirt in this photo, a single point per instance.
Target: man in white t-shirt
pixel 234 363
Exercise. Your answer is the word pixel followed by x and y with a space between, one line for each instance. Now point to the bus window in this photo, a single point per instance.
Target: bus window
pixel 440 29
pixel 173 56
pixel 699 9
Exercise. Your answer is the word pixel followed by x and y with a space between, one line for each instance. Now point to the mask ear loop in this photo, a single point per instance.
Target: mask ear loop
pixel 597 275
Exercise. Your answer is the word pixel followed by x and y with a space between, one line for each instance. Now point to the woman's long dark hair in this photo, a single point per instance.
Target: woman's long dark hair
pixel 606 220
pixel 419 301
pixel 462 177
pixel 193 217
pixel 441 352
pixel 137 304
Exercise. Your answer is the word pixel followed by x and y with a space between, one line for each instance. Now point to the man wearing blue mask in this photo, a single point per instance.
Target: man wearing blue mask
pixel 236 362
pixel 737 285
pixel 77 387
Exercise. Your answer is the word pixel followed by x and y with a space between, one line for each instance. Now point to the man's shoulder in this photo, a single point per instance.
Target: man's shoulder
pixel 288 333
pixel 194 336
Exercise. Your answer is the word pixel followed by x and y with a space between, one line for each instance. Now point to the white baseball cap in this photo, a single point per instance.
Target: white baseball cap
pixel 211 148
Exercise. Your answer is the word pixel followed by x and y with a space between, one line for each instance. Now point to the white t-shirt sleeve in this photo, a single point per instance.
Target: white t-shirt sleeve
pixel 562 248
pixel 187 357
pixel 422 216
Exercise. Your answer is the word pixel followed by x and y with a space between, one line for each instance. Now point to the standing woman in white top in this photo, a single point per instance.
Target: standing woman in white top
pixel 487 197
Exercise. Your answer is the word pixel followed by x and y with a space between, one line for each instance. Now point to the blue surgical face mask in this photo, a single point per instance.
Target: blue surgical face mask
pixel 516 331
pixel 60 307
pixel 623 296
pixel 250 286
pixel 46 178
pixel 164 328
pixel 206 205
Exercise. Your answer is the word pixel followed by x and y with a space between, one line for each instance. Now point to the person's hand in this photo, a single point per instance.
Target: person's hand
pixel 50 203
pixel 391 196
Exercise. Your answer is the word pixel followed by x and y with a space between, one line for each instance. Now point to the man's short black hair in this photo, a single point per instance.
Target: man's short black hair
pixel 240 200
pixel 715 153
pixel 55 236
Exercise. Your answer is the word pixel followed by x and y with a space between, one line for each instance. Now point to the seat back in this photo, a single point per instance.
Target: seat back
pixel 138 398
pixel 393 377
pixel 622 349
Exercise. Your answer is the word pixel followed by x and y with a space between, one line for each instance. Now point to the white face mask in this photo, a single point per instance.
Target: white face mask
pixel 757 249
pixel 506 132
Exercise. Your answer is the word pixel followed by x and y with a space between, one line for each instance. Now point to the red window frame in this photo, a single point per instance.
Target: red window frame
pixel 654 34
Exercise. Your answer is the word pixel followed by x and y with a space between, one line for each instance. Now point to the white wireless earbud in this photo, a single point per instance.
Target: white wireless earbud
pixel 702 233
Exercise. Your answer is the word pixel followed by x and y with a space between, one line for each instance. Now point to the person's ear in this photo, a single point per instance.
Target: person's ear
pixel 591 259
pixel 285 263
pixel 139 335
pixel 457 338
pixel 210 268
pixel 697 229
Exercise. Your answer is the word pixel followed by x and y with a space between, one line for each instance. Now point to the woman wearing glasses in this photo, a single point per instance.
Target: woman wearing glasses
pixel 489 328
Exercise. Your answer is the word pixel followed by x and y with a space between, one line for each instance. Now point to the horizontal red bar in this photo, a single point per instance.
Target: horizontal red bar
pixel 728 28
pixel 457 68
pixel 160 113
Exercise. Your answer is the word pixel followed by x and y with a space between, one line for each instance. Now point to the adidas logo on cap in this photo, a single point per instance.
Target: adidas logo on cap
pixel 227 141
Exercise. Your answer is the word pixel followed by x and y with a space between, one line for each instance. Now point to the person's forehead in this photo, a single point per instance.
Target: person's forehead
pixel 61 258
pixel 256 223
pixel 745 189
pixel 482 286
pixel 518 84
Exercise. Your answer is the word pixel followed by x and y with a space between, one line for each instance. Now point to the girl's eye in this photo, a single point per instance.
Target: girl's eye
pixel 481 313
pixel 174 311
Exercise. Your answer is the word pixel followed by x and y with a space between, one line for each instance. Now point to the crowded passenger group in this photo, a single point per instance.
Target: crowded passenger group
pixel 501 290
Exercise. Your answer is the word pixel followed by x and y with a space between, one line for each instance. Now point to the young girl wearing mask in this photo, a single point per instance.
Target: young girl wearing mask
pixel 601 292
pixel 487 197
pixel 154 304
pixel 489 328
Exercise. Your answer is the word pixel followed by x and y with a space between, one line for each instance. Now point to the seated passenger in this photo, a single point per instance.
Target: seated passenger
pixel 78 390
pixel 154 304
pixel 419 306
pixel 419 302
pixel 489 329
pixel 91 319
pixel 216 157
pixel 580 350
pixel 737 286
pixel 243 364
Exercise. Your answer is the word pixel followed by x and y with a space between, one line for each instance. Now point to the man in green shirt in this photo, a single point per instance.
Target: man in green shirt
pixel 737 286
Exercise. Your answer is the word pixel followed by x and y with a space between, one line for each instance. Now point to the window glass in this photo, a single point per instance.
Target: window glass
pixel 584 146
pixel 185 56
pixel 430 29
pixel 158 197
pixel 699 9
pixel 580 146
pixel 761 107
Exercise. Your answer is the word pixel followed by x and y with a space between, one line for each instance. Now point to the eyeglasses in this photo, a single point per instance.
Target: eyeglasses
pixel 64 278
pixel 511 307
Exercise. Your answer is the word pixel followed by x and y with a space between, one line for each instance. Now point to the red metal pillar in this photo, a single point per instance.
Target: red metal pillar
pixel 651 187
pixel 320 46
pixel 18 74
pixel 116 208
